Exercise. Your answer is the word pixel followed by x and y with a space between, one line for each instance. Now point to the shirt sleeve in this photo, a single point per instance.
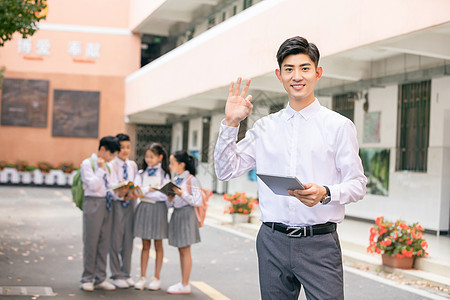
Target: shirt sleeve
pixel 92 180
pixel 348 163
pixel 195 198
pixel 233 159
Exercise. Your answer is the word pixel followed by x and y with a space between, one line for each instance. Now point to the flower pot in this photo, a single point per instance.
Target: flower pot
pixel 38 177
pixel 26 177
pixel 55 177
pixel 397 262
pixel 240 218
pixel 10 175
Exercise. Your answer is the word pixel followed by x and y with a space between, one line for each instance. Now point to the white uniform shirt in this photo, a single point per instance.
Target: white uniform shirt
pixel 116 166
pixel 144 181
pixel 315 144
pixel 194 199
pixel 93 182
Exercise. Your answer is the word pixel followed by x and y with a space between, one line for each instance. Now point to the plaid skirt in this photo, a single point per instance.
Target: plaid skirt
pixel 183 227
pixel 151 221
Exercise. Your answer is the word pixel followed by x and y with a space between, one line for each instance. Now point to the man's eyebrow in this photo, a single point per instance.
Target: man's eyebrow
pixel 290 66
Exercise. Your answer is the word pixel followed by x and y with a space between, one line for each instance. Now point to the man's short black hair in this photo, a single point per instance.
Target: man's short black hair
pixel 123 137
pixel 298 45
pixel 110 143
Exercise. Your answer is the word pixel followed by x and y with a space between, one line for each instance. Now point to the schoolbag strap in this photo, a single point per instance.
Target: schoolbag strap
pixel 92 163
pixel 188 184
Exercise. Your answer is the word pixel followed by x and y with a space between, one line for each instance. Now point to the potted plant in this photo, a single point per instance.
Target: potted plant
pixel 240 206
pixel 398 243
pixel 8 171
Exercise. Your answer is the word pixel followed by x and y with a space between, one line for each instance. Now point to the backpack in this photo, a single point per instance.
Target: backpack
pixel 200 211
pixel 77 187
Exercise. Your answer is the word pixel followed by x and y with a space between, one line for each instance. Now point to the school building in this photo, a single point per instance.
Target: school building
pixel 160 70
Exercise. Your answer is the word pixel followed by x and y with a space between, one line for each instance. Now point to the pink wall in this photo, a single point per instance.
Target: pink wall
pixel 108 52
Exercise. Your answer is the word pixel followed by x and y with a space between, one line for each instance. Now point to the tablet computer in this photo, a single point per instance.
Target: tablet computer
pixel 281 184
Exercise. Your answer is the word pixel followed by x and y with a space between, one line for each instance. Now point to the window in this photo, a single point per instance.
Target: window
pixel 276 107
pixel 185 135
pixel 211 22
pixel 413 126
pixel 205 139
pixel 248 3
pixel 344 105
pixel 224 16
pixel 234 10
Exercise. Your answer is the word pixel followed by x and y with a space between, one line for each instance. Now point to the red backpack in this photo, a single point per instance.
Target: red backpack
pixel 200 211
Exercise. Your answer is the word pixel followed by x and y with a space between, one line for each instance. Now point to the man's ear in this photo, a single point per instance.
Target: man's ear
pixel 278 73
pixel 319 72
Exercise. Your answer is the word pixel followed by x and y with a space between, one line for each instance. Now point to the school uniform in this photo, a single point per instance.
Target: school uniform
pixel 121 246
pixel 97 218
pixel 151 212
pixel 183 225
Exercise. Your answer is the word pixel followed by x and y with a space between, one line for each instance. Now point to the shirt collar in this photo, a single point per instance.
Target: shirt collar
pixel 184 174
pixel 306 112
pixel 119 161
pixel 158 166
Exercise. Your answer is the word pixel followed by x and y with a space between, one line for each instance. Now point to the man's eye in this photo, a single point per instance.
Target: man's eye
pixel 288 69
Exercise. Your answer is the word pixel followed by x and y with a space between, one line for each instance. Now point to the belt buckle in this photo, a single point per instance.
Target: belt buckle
pixel 297 232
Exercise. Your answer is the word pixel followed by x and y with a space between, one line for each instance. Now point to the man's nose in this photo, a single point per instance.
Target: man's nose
pixel 298 74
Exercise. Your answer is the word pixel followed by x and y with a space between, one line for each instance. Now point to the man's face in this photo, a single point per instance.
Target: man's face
pixel 298 75
pixel 125 149
pixel 107 155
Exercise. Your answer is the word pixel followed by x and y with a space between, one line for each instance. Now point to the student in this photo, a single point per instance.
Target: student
pixel 121 246
pixel 297 243
pixel 183 226
pixel 97 214
pixel 151 214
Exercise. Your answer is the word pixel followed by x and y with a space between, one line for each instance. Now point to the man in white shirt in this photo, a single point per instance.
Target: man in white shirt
pixel 297 244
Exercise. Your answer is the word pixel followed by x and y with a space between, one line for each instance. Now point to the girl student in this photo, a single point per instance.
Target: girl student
pixel 183 225
pixel 151 213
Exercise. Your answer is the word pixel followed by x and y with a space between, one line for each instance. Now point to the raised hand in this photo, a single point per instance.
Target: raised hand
pixel 238 106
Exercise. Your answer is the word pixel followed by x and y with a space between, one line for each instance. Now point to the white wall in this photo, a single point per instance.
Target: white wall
pixel 413 196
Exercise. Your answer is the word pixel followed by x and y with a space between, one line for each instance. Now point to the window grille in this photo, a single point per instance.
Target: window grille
pixel 205 139
pixel 147 134
pixel 242 129
pixel 413 126
pixel 343 105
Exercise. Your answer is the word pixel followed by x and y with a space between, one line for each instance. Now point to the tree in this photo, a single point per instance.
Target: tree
pixel 20 16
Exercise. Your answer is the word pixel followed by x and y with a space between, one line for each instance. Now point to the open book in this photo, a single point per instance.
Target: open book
pixel 167 188
pixel 133 191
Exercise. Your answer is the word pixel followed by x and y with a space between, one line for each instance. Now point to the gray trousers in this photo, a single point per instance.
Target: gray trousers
pixel 121 246
pixel 96 234
pixel 286 264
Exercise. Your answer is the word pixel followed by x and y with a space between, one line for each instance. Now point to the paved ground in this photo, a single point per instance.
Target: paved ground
pixel 40 247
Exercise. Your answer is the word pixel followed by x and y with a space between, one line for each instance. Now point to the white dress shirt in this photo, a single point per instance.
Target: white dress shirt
pixel 144 181
pixel 93 182
pixel 116 166
pixel 194 199
pixel 316 145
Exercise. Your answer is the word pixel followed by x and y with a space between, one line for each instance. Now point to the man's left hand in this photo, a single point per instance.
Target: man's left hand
pixel 311 195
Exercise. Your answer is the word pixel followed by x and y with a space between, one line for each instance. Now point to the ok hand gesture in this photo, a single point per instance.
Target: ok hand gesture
pixel 238 107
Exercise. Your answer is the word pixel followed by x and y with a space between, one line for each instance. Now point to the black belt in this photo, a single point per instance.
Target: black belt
pixel 293 231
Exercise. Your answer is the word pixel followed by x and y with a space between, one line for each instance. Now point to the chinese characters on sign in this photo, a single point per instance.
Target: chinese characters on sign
pixel 92 50
pixel 74 49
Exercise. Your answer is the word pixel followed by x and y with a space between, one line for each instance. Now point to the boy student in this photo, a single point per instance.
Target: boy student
pixel 121 246
pixel 97 216
pixel 297 243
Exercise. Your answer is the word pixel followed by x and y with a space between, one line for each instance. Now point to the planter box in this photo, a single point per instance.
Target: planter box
pixel 26 177
pixel 38 178
pixel 55 177
pixel 9 175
